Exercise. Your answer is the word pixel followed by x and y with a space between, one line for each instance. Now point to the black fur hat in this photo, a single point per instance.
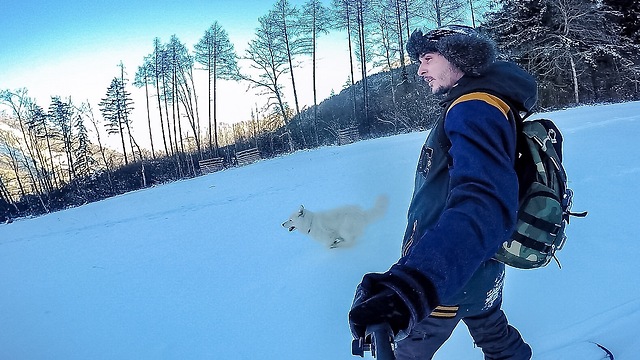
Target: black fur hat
pixel 461 45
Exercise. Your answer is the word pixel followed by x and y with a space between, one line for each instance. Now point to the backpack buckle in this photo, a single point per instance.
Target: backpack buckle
pixel 551 135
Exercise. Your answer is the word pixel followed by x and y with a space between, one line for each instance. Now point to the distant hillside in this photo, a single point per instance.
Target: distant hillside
pixel 395 106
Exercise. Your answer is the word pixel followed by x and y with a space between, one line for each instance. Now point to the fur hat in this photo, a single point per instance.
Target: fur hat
pixel 461 45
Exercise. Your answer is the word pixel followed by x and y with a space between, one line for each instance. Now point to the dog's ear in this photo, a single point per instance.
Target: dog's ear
pixel 301 211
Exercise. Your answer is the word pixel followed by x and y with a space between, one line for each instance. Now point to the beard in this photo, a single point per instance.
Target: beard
pixel 446 80
pixel 441 90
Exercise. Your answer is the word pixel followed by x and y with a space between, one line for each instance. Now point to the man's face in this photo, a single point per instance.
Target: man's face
pixel 438 72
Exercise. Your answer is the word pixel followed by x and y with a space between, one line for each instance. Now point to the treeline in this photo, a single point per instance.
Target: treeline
pixel 581 51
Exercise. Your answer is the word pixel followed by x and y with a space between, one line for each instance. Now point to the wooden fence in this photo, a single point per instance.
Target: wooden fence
pixel 347 136
pixel 248 156
pixel 211 165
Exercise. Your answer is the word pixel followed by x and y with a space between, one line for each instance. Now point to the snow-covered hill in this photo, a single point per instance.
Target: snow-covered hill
pixel 202 269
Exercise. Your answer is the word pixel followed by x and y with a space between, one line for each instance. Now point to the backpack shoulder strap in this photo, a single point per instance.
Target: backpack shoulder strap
pixel 492 100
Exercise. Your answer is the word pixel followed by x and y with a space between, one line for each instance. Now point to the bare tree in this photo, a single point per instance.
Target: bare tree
pixel 283 20
pixel 157 61
pixel 11 157
pixel 144 77
pixel 267 55
pixel 314 20
pixel 19 104
pixel 39 125
pixel 361 11
pixel 344 20
pixel 5 201
pixel 562 41
pixel 181 95
pixel 162 75
pixel 86 110
pixel 443 12
pixel 477 9
pixel 127 123
pixel 391 20
pixel 385 48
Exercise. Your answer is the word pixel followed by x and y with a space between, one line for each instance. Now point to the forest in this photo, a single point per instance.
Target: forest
pixel 55 157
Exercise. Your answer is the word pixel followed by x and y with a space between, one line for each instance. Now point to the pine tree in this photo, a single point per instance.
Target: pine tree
pixel 115 108
pixel 217 54
pixel 84 160
pixel 60 113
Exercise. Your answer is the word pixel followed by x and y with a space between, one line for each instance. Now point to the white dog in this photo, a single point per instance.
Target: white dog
pixel 336 227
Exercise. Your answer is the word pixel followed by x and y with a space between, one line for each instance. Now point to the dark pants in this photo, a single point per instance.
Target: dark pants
pixel 489 329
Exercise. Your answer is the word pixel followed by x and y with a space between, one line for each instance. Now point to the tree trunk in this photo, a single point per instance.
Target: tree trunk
pixel 121 132
pixel 404 73
pixel 363 66
pixel 574 76
pixel 157 78
pixel 315 92
pixel 353 88
pixel 146 91
pixel 215 109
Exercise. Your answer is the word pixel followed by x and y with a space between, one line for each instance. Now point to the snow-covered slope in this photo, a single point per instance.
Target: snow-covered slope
pixel 202 269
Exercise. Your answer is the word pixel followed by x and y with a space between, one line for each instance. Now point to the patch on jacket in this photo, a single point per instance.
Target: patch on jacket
pixel 424 164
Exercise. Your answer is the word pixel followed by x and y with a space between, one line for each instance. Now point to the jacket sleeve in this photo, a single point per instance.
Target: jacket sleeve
pixel 481 208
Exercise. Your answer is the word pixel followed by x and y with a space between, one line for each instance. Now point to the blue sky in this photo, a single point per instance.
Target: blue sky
pixel 46 29
pixel 72 48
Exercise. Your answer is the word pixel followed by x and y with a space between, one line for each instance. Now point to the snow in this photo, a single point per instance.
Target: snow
pixel 202 269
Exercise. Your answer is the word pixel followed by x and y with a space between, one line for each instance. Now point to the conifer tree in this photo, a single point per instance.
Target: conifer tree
pixel 115 108
pixel 217 54
pixel 60 113
pixel 84 160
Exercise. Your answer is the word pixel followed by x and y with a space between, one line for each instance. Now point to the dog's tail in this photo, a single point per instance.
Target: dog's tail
pixel 379 209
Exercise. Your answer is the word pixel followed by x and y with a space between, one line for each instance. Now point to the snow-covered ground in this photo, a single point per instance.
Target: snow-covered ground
pixel 202 269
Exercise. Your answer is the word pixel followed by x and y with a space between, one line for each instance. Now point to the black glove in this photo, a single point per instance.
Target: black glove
pixel 400 297
pixel 384 307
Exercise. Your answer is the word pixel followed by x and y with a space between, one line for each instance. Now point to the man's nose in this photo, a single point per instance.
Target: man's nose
pixel 421 70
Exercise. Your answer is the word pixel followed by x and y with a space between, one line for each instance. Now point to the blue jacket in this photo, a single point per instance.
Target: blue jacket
pixel 465 198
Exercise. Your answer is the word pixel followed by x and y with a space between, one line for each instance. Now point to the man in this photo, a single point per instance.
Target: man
pixel 463 208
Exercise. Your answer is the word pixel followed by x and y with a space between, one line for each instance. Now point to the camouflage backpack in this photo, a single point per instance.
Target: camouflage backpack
pixel 545 200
